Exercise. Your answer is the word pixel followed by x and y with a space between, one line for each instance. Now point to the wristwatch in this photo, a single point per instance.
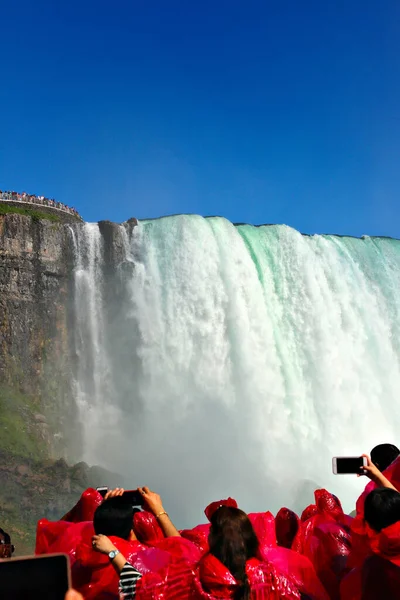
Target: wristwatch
pixel 113 554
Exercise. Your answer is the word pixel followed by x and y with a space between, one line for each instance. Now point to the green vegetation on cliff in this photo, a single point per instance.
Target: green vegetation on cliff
pixel 31 490
pixel 32 485
pixel 37 215
pixel 21 425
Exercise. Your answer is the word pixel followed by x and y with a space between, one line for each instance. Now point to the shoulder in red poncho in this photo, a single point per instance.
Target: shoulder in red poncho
pixel 214 581
pixel 379 575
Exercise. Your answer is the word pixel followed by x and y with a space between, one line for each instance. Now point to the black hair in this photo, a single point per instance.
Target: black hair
pixel 382 508
pixel 383 455
pixel 114 517
pixel 6 536
pixel 233 541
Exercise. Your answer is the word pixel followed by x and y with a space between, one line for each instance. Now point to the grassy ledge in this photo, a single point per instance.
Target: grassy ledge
pixel 36 215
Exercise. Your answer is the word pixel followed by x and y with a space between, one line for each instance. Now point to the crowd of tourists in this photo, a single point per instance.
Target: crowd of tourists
pixel 39 200
pixel 118 551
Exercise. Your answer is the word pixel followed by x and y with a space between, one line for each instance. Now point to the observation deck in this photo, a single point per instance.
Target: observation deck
pixel 40 204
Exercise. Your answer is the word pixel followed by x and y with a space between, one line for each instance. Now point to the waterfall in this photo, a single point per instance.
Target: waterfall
pixel 221 360
pixel 93 379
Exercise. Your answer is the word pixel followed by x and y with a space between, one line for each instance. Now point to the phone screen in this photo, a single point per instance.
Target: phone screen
pixel 349 465
pixel 44 577
pixel 134 497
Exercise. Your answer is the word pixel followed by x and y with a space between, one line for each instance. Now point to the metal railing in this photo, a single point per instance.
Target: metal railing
pixel 38 201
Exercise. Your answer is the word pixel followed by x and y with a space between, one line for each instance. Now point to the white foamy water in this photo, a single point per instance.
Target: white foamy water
pixel 218 360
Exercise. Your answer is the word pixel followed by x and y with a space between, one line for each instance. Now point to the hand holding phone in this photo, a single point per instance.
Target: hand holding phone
pixel 349 465
pixel 134 497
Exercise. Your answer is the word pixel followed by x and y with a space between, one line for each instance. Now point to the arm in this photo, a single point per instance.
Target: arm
pixel 154 504
pixel 101 543
pixel 373 473
pixel 128 575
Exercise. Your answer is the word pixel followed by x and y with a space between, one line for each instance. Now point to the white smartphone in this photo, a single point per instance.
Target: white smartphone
pixel 348 465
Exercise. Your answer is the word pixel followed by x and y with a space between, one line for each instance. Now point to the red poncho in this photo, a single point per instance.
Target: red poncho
pixel 213 580
pixel 379 575
pixel 61 536
pixel 325 539
pixel 92 573
pixel 392 473
pixel 85 508
pixel 287 524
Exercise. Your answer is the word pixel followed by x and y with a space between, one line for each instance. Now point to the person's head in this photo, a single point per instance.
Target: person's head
pixel 233 541
pixel 383 455
pixel 114 517
pixel 6 547
pixel 382 508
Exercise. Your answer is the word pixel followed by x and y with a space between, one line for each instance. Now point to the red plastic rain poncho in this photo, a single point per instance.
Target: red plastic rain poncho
pixel 287 524
pixel 310 511
pixel 326 540
pixel 214 581
pixel 264 527
pixel 392 473
pixel 61 536
pixel 199 536
pixel 379 575
pixel 300 569
pixel 147 528
pixel 279 562
pixel 51 535
pixel 94 576
pixel 85 508
pixel 360 543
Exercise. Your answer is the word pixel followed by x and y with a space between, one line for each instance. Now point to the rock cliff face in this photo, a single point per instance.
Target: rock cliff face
pixel 40 434
pixel 35 371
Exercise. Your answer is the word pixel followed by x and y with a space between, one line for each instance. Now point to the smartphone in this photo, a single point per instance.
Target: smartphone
pixel 348 465
pixel 134 497
pixel 102 490
pixel 46 577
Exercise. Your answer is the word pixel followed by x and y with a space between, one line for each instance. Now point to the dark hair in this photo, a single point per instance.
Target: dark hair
pixel 383 455
pixel 382 508
pixel 233 541
pixel 6 536
pixel 114 517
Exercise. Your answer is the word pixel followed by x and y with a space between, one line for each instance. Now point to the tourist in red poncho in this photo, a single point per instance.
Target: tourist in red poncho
pixel 361 548
pixel 379 575
pixel 324 537
pixel 238 565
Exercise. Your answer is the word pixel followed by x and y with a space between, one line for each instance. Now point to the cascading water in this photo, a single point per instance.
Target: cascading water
pixel 223 360
pixel 93 378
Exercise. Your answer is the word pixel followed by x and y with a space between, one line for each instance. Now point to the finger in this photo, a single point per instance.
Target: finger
pixel 146 490
pixel 73 595
pixel 116 492
pixel 142 491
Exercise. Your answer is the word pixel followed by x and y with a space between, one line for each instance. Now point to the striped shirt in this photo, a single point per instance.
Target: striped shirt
pixel 128 579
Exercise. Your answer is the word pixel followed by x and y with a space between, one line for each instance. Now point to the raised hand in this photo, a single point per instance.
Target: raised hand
pixel 114 493
pixel 153 501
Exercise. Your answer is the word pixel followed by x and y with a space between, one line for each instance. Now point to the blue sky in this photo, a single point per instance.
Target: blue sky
pixel 263 112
